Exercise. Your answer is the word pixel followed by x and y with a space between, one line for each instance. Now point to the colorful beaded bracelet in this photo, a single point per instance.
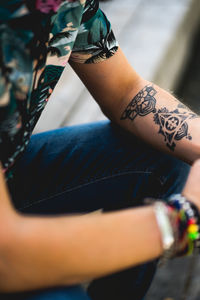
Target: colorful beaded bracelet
pixel 185 222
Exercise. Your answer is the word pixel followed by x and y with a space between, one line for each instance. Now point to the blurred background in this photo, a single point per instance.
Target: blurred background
pixel 161 39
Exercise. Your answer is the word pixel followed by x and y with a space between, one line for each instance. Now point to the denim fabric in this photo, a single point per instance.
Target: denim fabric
pixel 63 293
pixel 95 166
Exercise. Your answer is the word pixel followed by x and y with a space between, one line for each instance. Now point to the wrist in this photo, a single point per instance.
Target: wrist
pixel 179 224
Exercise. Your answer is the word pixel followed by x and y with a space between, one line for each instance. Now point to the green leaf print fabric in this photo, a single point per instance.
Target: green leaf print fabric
pixel 37 39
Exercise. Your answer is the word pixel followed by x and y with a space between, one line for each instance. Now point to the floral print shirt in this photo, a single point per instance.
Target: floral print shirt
pixel 37 38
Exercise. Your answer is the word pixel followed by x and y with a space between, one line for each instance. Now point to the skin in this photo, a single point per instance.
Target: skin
pixel 120 86
pixel 38 252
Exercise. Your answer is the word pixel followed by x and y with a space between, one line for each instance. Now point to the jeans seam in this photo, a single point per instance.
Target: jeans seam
pixel 86 184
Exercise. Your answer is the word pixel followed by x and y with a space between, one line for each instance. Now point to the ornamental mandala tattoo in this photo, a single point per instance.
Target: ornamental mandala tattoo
pixel 142 104
pixel 172 124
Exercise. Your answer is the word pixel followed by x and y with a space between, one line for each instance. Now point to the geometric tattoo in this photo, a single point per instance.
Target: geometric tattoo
pixel 172 124
pixel 142 104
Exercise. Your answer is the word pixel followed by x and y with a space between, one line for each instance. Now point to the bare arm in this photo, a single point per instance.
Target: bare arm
pixel 142 108
pixel 38 252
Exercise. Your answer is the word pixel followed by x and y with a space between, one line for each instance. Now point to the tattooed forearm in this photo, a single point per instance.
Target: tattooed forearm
pixel 172 124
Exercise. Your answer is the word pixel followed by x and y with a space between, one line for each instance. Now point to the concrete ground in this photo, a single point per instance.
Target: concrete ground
pixel 189 87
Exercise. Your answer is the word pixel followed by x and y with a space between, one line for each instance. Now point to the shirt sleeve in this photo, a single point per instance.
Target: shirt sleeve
pixel 95 40
pixel 64 29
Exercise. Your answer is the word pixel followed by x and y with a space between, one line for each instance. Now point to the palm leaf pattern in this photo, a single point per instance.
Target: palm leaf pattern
pixel 37 38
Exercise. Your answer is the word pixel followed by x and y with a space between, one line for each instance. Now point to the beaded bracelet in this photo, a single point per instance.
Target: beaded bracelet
pixel 186 219
pixel 179 222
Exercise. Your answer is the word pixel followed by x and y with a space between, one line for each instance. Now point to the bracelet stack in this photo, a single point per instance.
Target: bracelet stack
pixel 185 221
pixel 179 223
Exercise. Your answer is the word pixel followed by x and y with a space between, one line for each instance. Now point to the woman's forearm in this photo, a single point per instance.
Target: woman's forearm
pixel 160 119
pixel 70 249
pixel 142 107
pixel 37 252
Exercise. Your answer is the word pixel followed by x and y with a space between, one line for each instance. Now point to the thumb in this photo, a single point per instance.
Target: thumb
pixel 192 187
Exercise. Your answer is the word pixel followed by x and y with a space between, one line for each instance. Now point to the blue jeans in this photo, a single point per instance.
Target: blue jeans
pixel 85 168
